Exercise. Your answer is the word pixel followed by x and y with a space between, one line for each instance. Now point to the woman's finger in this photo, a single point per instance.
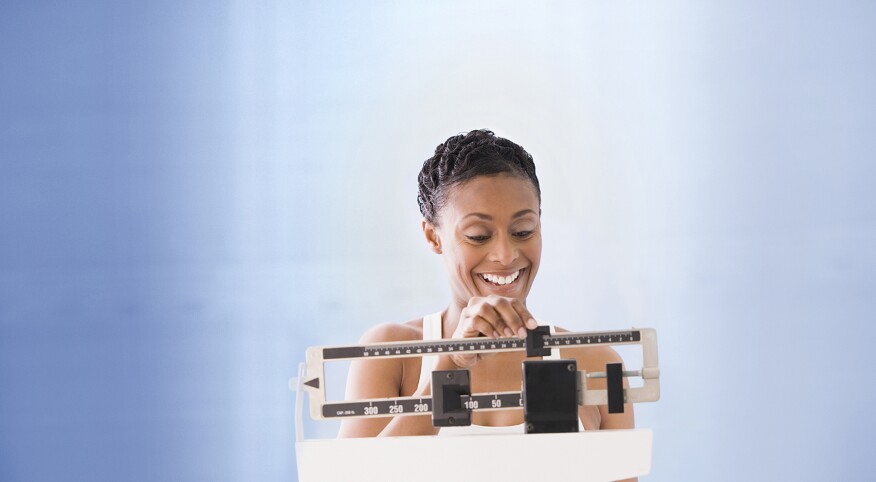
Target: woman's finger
pixel 524 313
pixel 509 314
pixel 483 324
pixel 501 324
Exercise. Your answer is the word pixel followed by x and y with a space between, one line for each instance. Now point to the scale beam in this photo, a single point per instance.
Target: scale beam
pixel 539 340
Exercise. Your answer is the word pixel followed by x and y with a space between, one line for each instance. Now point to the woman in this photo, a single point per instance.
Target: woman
pixel 481 206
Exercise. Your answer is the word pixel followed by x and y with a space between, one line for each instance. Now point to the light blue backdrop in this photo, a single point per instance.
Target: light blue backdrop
pixel 191 193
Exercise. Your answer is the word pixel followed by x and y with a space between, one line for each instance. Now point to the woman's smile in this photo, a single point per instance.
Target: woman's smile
pixel 502 282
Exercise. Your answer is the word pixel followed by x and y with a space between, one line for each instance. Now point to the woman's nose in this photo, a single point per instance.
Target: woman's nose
pixel 505 252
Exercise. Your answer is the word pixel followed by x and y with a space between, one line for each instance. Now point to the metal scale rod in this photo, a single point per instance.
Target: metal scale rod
pixel 418 405
pixel 476 345
pixel 539 342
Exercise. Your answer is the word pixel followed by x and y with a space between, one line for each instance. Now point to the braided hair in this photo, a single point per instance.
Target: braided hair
pixel 465 156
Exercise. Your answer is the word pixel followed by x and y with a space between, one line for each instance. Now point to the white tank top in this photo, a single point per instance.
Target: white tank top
pixel 432 330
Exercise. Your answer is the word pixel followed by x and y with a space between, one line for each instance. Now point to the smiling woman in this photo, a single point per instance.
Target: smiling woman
pixel 490 239
pixel 481 206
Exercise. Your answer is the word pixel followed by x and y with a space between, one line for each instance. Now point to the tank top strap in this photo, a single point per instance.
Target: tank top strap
pixel 432 330
pixel 432 327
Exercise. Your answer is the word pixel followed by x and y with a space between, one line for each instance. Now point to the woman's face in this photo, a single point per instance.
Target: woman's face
pixel 489 237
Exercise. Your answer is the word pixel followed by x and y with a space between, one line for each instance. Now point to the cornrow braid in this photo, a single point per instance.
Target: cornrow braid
pixel 465 156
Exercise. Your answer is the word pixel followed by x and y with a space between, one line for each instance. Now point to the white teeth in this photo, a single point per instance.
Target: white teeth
pixel 501 280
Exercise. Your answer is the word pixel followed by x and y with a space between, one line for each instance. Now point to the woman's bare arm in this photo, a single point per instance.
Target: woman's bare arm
pixel 382 378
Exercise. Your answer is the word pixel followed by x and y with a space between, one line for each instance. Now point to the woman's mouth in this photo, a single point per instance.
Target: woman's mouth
pixel 500 279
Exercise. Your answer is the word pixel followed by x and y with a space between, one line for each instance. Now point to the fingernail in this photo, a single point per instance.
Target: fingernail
pixel 508 332
pixel 531 324
pixel 521 333
pixel 495 334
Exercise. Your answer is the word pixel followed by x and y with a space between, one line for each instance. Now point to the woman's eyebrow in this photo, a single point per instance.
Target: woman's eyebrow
pixel 488 217
pixel 522 213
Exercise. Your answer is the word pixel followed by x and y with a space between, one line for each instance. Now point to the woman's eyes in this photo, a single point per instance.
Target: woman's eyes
pixel 485 237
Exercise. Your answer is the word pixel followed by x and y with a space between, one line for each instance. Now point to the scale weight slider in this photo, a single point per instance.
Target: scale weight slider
pixel 448 389
pixel 550 396
pixel 535 345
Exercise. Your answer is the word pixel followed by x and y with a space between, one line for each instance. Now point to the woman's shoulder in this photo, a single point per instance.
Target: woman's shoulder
pixel 388 332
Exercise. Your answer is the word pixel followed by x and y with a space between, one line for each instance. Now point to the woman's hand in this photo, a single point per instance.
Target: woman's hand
pixel 493 316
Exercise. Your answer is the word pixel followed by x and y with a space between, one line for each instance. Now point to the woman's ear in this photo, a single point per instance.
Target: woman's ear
pixel 432 238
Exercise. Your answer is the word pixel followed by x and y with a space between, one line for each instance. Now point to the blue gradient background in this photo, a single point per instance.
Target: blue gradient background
pixel 191 193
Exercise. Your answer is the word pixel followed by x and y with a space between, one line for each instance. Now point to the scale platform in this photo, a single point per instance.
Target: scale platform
pixel 587 456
